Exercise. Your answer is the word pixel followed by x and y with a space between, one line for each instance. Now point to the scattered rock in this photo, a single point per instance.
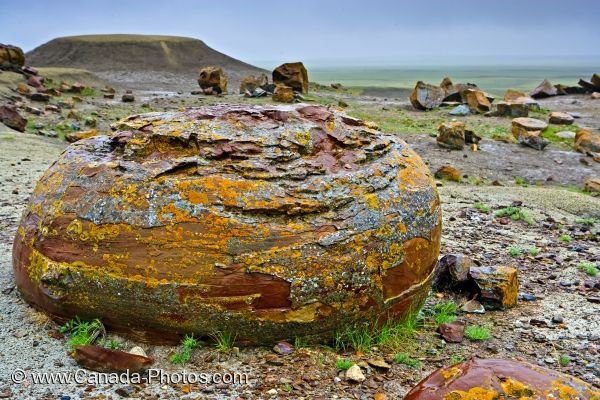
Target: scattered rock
pixel 528 132
pixel 12 58
pixel 33 110
pixel 473 306
pixel 128 97
pixel 137 350
pixel 561 118
pixel 293 75
pixel 592 185
pixel 452 332
pixel 283 94
pixel 511 95
pixel 451 135
pixel 100 359
pixel 127 391
pixel 283 348
pixel 544 89
pixel 425 96
pixel 23 89
pixel 109 96
pixel 566 134
pixel 378 362
pixel 251 82
pixel 498 286
pixel 588 143
pixel 477 101
pixel 43 97
pixel 479 379
pixel 596 95
pixel 514 110
pixel 460 110
pixel 355 374
pixel 448 173
pixel 11 117
pixel 451 269
pixel 212 80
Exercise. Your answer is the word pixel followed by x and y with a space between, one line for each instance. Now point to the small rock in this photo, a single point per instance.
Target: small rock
pixel 473 306
pixel 557 319
pixel 460 110
pixel 449 173
pixel 566 134
pixel 138 351
pixel 126 391
pixel 283 348
pixel 19 333
pixel 355 374
pixel 128 98
pixel 561 118
pixel 452 332
pixel 378 363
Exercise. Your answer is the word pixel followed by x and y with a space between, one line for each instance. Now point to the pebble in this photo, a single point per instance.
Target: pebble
pixel 557 319
pixel 355 374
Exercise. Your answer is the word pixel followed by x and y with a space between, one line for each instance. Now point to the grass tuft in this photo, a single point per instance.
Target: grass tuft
pixel 184 354
pixel 588 267
pixel 224 340
pixel 516 214
pixel 484 208
pixel 403 358
pixel 564 360
pixel 343 364
pixel 82 333
pixel 477 333
pixel 565 238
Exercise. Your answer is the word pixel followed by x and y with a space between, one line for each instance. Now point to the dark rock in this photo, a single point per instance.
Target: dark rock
pixel 544 89
pixel 10 117
pixel 293 75
pixel 43 97
pixel 127 98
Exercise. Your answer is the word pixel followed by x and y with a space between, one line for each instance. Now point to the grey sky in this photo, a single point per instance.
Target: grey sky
pixel 332 32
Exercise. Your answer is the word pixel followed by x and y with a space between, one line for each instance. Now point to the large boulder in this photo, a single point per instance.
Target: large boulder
pixel 496 379
pixel 269 222
pixel 425 96
pixel 587 142
pixel 293 75
pixel 544 89
pixel 212 79
pixel 10 117
pixel 528 131
pixel 451 135
pixel 477 101
pixel 12 58
pixel 251 82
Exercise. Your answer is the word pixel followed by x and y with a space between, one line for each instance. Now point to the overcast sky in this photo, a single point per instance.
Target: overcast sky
pixel 349 32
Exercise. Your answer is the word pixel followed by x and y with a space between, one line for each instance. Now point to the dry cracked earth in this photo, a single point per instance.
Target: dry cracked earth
pixel 556 323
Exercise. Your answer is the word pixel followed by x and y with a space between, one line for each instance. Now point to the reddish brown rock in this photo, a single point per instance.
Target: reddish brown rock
pixel 212 79
pixel 544 89
pixel 425 96
pixel 100 359
pixel 452 332
pixel 587 142
pixel 271 222
pixel 495 379
pixel 448 173
pixel 451 135
pixel 477 101
pixel 293 75
pixel 10 117
pixel 12 58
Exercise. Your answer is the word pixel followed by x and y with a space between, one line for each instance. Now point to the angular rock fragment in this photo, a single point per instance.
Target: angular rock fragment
pixel 101 359
pixel 561 118
pixel 10 117
pixel 425 96
pixel 268 221
pixel 498 286
pixel 451 135
pixel 448 173
pixel 452 332
pixel 592 185
pixel 283 94
pixel 513 110
pixel 212 80
pixel 544 89
pixel 477 101
pixel 491 379
pixel 251 82
pixel 293 75
pixel 588 143
pixel 528 132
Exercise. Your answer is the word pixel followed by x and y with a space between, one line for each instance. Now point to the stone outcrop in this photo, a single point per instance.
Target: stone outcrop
pixel 483 379
pixel 213 80
pixel 451 135
pixel 425 96
pixel 9 116
pixel 251 82
pixel 12 58
pixel 293 75
pixel 269 221
pixel 544 89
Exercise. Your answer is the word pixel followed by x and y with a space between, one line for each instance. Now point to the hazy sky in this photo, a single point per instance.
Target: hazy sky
pixel 332 32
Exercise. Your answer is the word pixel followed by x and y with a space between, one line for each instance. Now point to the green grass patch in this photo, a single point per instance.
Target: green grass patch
pixel 403 358
pixel 515 251
pixel 564 360
pixel 456 358
pixel 184 354
pixel 482 207
pixel 565 238
pixel 551 131
pixel 586 221
pixel 112 344
pixel 477 333
pixel 82 333
pixel 445 312
pixel 89 92
pixel 533 251
pixel 588 268
pixel 224 340
pixel 516 214
pixel 343 364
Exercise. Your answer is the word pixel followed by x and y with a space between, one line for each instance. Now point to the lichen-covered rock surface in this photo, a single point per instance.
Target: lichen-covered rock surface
pixel 271 221
pixel 496 379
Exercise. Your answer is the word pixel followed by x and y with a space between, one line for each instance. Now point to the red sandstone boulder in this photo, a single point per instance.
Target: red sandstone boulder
pixel 495 379
pixel 293 75
pixel 271 222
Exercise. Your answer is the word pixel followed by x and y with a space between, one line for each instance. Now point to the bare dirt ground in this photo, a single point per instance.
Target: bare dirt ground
pixel 564 234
